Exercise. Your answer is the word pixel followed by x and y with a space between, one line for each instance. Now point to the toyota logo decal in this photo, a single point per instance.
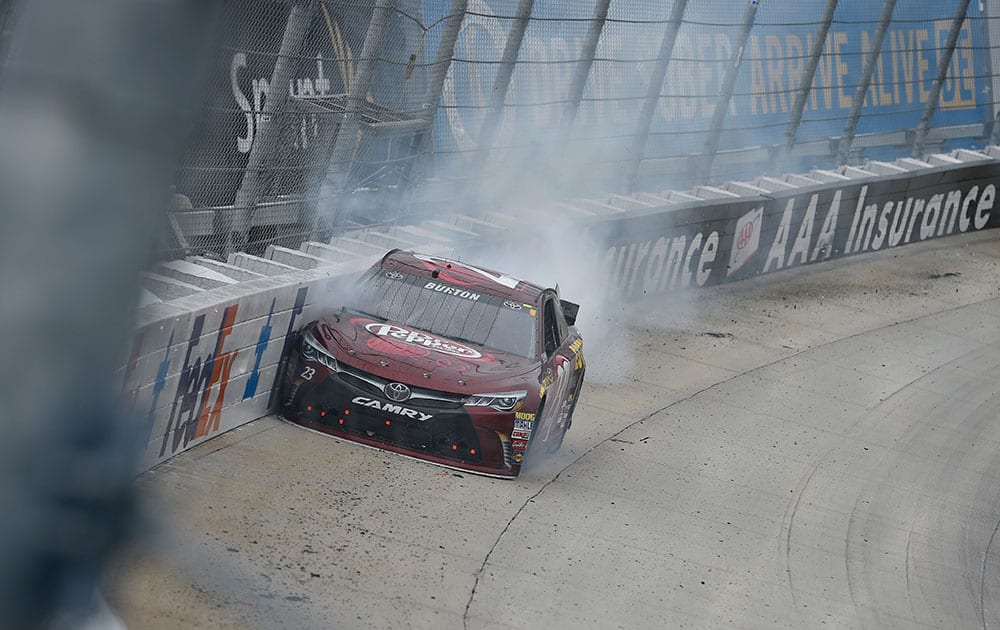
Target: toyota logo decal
pixel 397 392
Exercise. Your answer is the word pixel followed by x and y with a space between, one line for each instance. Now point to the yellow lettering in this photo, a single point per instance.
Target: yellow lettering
pixel 967 61
pixel 908 57
pixel 824 75
pixel 885 97
pixel 758 86
pixel 796 61
pixel 896 46
pixel 959 90
pixel 776 73
pixel 950 88
pixel 843 100
pixel 871 98
pixel 923 65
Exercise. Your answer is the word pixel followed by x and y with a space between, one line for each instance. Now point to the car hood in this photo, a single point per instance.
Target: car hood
pixel 416 357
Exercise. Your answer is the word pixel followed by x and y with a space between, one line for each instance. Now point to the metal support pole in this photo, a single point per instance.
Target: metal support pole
pixel 805 86
pixel 579 84
pixel 346 142
pixel 504 73
pixel 944 63
pixel 991 11
pixel 847 137
pixel 654 90
pixel 442 60
pixel 435 86
pixel 704 170
pixel 268 129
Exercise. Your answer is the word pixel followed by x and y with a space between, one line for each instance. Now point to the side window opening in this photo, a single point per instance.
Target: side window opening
pixel 552 337
pixel 560 321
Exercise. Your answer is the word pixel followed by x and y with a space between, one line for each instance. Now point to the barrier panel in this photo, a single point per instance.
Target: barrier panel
pixel 202 365
pixel 205 364
pixel 660 251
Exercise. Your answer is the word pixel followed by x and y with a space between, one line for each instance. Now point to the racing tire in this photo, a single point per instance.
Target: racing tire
pixel 531 439
pixel 569 416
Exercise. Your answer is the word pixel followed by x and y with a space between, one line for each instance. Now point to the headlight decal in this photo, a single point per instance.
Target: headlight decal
pixel 502 401
pixel 313 350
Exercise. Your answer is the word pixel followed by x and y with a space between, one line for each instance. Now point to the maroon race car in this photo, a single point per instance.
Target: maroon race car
pixel 439 360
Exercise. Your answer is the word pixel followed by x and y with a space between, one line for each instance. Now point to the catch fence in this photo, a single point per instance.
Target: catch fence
pixel 324 115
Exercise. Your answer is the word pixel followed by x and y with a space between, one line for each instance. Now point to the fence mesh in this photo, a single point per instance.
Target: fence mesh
pixel 324 115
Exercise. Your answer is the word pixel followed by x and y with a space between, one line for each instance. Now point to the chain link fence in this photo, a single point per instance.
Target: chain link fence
pixel 325 115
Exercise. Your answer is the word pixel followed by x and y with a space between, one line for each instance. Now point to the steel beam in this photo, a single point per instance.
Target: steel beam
pixel 805 86
pixel 654 90
pixel 944 63
pixel 502 83
pixel 435 88
pixel 851 127
pixel 704 169
pixel 269 127
pixel 346 143
pixel 582 73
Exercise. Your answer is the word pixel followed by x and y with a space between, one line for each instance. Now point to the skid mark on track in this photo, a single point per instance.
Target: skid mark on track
pixel 982 576
pixel 617 434
pixel 800 490
pixel 847 553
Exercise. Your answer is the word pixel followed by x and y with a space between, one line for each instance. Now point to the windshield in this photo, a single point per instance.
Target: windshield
pixel 449 311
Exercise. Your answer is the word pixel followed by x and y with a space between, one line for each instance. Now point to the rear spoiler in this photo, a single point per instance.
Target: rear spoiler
pixel 570 311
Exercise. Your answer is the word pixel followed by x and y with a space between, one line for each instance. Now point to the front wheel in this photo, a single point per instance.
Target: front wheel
pixel 568 422
pixel 534 431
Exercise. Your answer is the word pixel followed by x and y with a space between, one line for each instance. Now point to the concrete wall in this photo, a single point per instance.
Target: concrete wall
pixel 205 363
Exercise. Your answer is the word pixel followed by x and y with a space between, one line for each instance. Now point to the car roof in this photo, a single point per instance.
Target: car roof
pixel 462 274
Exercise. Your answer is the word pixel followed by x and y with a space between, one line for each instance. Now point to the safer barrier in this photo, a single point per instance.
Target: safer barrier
pixel 732 240
pixel 204 364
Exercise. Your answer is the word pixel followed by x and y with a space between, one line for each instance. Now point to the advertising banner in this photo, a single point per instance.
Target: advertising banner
pixel 690 247
pixel 772 68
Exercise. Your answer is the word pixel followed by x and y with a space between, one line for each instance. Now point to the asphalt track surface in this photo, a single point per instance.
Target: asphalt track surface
pixel 817 447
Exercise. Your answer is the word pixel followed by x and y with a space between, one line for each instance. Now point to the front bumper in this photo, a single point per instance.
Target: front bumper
pixel 351 405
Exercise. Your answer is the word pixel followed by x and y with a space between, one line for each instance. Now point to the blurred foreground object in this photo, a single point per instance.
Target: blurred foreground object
pixel 94 102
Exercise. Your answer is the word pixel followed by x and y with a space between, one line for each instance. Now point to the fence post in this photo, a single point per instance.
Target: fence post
pixel 851 127
pixel 346 142
pixel 435 86
pixel 504 73
pixel 805 87
pixel 582 73
pixel 944 63
pixel 726 94
pixel 653 92
pixel 268 129
pixel 991 13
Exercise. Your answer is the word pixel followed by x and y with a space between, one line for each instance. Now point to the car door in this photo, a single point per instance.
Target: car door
pixel 559 371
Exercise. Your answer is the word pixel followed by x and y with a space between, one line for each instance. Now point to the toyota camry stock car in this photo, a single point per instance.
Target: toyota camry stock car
pixel 443 361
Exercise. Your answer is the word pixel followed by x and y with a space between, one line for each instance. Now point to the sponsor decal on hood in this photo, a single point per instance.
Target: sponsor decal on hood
pixel 424 340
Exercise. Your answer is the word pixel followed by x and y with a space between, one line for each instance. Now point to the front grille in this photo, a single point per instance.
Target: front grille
pixel 375 385
pixel 360 383
pixel 353 402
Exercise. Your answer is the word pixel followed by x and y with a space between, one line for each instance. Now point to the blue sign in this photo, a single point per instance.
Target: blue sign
pixel 772 66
